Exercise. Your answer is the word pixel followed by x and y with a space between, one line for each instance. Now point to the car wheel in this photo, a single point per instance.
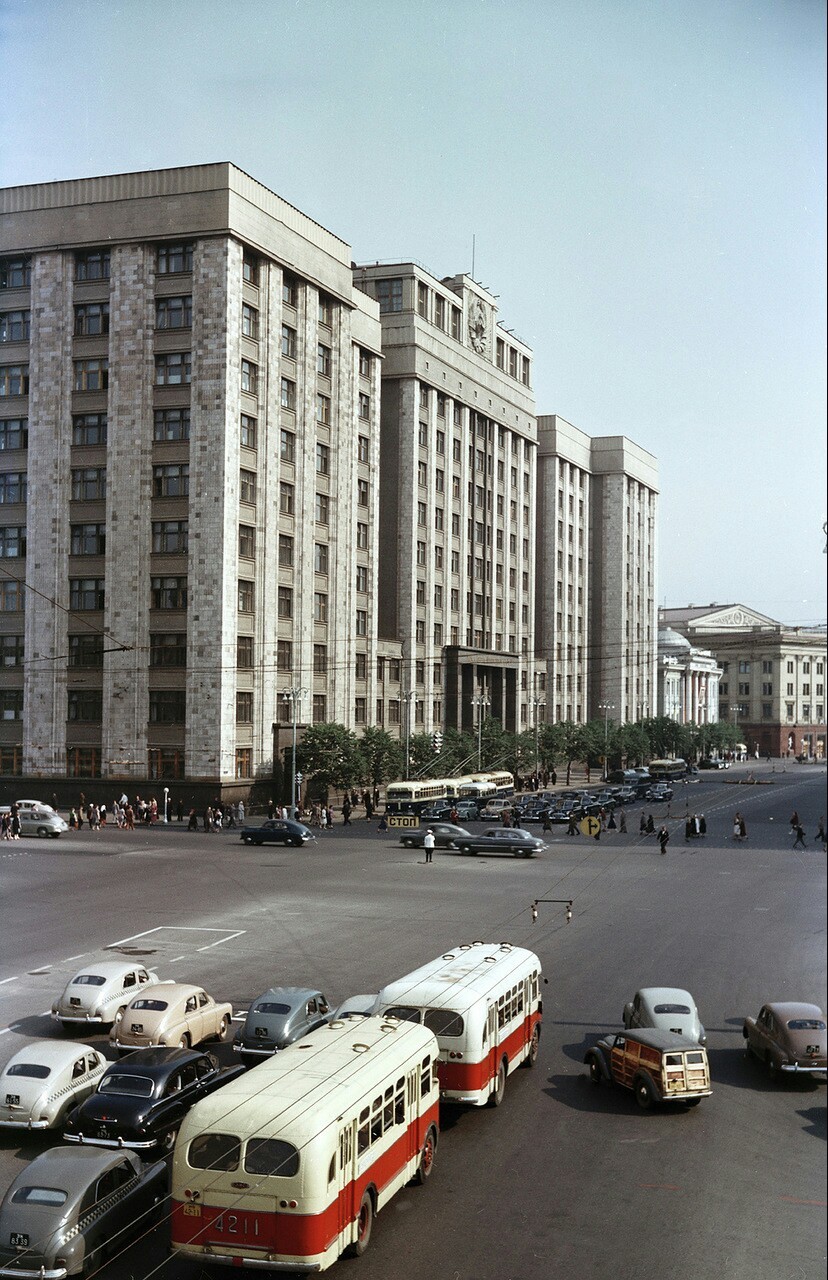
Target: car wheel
pixel 427 1154
pixel 167 1143
pixel 465 848
pixel 184 1042
pixel 534 1048
pixel 497 1095
pixel 297 844
pixel 247 840
pixel 643 1093
pixel 408 844
pixel 224 1027
pixel 43 831
pixel 365 1222
pixel 595 1071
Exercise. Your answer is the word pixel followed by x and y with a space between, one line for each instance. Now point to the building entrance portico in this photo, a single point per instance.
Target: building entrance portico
pixel 472 674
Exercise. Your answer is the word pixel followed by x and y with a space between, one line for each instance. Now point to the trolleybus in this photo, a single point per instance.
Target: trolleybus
pixel 667 770
pixel 482 1001
pixel 415 794
pixel 285 1168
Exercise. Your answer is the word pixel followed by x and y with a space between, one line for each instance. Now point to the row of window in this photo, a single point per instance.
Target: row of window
pixel 85 762
pixel 768 712
pixel 768 665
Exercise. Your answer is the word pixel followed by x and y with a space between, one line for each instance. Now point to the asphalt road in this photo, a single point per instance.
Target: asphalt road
pixel 563 1178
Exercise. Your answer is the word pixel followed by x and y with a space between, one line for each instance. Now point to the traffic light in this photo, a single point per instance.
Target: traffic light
pixel 299 777
pixel 437 742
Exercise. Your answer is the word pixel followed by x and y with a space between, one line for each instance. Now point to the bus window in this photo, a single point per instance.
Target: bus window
pixel 444 1022
pixel 219 1151
pixel 376 1119
pixel 332 1169
pixel 388 1109
pixel 363 1140
pixel 404 1012
pixel 399 1102
pixel 271 1157
pixel 425 1077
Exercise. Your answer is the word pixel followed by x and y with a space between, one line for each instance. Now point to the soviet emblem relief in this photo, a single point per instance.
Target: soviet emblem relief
pixel 477 326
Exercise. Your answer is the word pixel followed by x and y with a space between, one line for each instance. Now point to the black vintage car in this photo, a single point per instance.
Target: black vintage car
pixel 278 831
pixel 140 1101
pixel 67 1210
pixel 278 1017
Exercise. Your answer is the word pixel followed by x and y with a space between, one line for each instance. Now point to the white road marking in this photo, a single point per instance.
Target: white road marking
pixel 178 928
pixel 761 908
pixel 78 957
pixel 229 938
pixel 5 980
pixel 4 1031
pixel 176 960
pixel 45 969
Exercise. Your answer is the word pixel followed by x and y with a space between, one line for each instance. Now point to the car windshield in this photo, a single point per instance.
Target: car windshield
pixel 88 980
pixel 39 1195
pixel 270 1006
pixel 34 1070
pixel 134 1086
pixel 405 1013
pixel 157 1006
pixel 670 1008
pixel 806 1024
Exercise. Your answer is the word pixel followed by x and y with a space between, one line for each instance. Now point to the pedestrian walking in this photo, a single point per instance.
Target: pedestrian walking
pixel 622 821
pixel 572 829
pixel 650 828
pixel 346 812
pixel 642 824
pixel 663 838
pixel 612 825
pixel 737 827
pixel 428 845
pixel 742 827
pixel 800 836
pixel 820 835
pixel 323 818
pixel 794 820
pixel 547 825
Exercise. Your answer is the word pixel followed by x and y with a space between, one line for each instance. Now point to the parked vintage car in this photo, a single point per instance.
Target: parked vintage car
pixel 713 763
pixel 37 820
pixel 659 793
pixel 44 1080
pixel 278 831
pixel 141 1101
pixel 278 1017
pixel 361 1006
pixel 512 840
pixel 666 1009
pixel 658 1066
pixel 788 1037
pixel 173 1013
pixel 68 1208
pixel 97 994
pixel 446 835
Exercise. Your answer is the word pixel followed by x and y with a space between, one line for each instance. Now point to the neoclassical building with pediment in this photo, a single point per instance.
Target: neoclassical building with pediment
pixel 773 675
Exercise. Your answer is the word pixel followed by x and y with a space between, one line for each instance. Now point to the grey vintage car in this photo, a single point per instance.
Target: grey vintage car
pixel 100 992
pixel 665 1009
pixel 71 1207
pixel 278 1017
pixel 44 1080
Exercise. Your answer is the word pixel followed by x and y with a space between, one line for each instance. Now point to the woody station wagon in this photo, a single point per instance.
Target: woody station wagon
pixel 659 1066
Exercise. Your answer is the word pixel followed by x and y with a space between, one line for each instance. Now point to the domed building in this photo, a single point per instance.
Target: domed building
pixel 688 680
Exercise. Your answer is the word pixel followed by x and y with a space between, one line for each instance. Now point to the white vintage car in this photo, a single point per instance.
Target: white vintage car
pixel 44 1080
pixel 98 994
pixel 173 1013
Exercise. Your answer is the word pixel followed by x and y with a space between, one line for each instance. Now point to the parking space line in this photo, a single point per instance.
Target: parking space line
pixel 5 980
pixel 77 957
pixel 219 942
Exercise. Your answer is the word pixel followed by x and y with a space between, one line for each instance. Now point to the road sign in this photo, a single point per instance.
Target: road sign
pixel 589 826
pixel 403 820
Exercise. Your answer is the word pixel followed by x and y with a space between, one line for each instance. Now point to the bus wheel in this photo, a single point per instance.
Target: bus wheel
pixel 534 1048
pixel 426 1158
pixel 500 1086
pixel 365 1222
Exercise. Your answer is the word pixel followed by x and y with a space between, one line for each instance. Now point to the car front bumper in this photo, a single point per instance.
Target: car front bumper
pixel 114 1141
pixel 24 1124
pixel 254 1264
pixel 799 1068
pixel 41 1273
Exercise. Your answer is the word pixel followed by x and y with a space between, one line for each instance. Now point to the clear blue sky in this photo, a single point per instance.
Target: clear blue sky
pixel 645 183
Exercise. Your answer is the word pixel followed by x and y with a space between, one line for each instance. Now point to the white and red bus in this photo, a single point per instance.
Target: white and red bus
pixel 482 1001
pixel 285 1168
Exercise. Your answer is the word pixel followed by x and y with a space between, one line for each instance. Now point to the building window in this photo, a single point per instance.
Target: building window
pixel 15 273
pixel 320 708
pixel 13 486
pixel 85 705
pixel 11 595
pixel 247 487
pixel 364 364
pixel 284 655
pixel 439 311
pixel 249 377
pixel 288 394
pixel 287 446
pixel 247 431
pixel 168 649
pixel 326 310
pixel 247 541
pixel 86 651
pixel 361 666
pixel 362 449
pixel 422 300
pixel 244 653
pixel 171 480
pixel 88 483
pixel 323 360
pixel 286 498
pixel 172 369
pixel 174 259
pixel 246 595
pixel 14 379
pixel 169 425
pixel 441 405
pixel 360 710
pixel 362 577
pixel 455 323
pixel 362 536
pixel 250 322
pixel 86 593
pixel 91 320
pixel 285 602
pixel 173 313
pixel 11 651
pixel 244 706
pixel 390 295
pixel 167 593
pixel 744 668
pixel 165 762
pixel 167 706
pixel 92 264
pixel 323 409
pixel 87 539
pixel 320 557
pixel 14 433
pixel 320 606
pixel 93 375
pixel 321 508
pixel 285 551
pixel 290 289
pixel 362 493
pixel 422 474
pixel 170 537
pixel 364 406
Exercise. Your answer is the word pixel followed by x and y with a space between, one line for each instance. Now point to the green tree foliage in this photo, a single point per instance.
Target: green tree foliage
pixel 383 756
pixel 329 757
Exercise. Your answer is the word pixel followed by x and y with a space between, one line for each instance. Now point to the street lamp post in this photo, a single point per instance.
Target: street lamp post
pixel 537 703
pixel 409 698
pixel 736 708
pixel 480 702
pixel 606 707
pixel 293 696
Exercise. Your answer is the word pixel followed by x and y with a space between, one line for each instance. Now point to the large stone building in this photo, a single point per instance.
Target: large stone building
pixel 688 680
pixel 772 684
pixel 596 579
pixel 457 498
pixel 189 400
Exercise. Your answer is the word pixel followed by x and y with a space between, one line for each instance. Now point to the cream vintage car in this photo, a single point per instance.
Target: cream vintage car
pixel 44 1080
pixel 173 1013
pixel 98 993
